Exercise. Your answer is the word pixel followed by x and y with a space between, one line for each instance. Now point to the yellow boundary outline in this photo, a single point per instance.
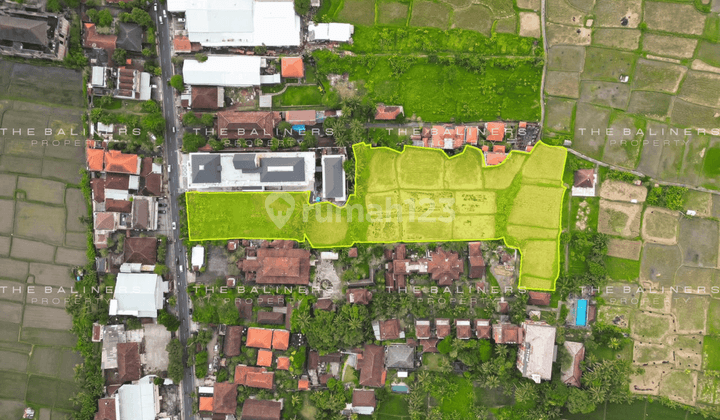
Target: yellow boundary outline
pixel 448 158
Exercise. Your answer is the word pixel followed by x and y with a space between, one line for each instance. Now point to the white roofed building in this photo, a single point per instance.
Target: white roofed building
pixel 138 294
pixel 335 32
pixel 198 257
pixel 537 351
pixel 240 23
pixel 223 70
pixel 139 401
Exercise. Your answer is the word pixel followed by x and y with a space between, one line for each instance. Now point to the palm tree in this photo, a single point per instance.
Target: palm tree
pixel 295 400
pixel 614 343
pixel 492 382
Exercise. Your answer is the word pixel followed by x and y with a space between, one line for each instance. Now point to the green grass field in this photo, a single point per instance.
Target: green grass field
pixel 711 353
pixel 298 95
pixel 622 269
pixel 405 210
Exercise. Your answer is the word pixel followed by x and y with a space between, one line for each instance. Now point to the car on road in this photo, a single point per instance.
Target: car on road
pixel 162 205
pixel 164 12
pixel 169 168
pixel 162 211
pixel 177 260
pixel 174 129
pixel 160 19
pixel 155 7
pixel 180 267
pixel 174 226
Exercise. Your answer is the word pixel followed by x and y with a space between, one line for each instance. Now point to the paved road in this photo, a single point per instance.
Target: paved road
pixel 176 248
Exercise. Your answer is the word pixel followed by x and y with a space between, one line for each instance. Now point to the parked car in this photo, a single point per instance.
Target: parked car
pixel 162 205
pixel 174 226
pixel 180 267
pixel 161 211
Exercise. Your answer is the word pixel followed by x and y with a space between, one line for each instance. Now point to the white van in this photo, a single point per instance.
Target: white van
pixel 160 19
pixel 169 168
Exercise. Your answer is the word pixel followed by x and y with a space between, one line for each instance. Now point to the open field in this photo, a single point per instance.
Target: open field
pixel 34 181
pixel 491 211
pixel 619 219
pixel 660 225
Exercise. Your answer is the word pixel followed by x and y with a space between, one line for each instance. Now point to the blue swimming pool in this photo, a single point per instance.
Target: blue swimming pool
pixel 581 315
pixel 400 388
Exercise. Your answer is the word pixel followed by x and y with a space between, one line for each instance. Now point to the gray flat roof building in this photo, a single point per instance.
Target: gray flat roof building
pixel 251 171
pixel 333 178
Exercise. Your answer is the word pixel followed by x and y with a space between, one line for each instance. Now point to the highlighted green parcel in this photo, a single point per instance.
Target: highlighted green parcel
pixel 418 195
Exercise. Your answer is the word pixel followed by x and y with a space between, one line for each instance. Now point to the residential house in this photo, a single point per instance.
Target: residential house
pixel 141 250
pixel 138 294
pixel 197 257
pixel 400 356
pixel 106 409
pixel 483 329
pixel 151 175
pixel 537 351
pixel 130 36
pixel 324 304
pixel 289 171
pixel 442 327
pixel 122 163
pixel 34 34
pixel 264 358
pixel 128 359
pixel 506 333
pixel 477 263
pixel 371 366
pixel 304 118
pixel 254 409
pixel 92 39
pixel 259 338
pixel 182 44
pixel 207 97
pixel 224 398
pixel 233 339
pixel 133 84
pixel 293 67
pixel 539 298
pixel 247 125
pixel 278 266
pixel 363 402
pixel 445 266
pixel 140 401
pixel 359 296
pixel 423 329
pixel 429 345
pixel 495 131
pixel 463 329
pixel 584 183
pixel 270 318
pixel 383 112
pixel 388 330
pixel 281 340
pixel 243 23
pixel 571 373
pixel 253 377
pixel 225 70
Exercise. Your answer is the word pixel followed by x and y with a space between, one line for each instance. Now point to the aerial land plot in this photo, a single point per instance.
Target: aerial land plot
pixel 699 241
pixel 249 219
pixel 506 25
pixel 76 239
pixel 624 142
pixel 60 169
pixel 709 53
pixel 692 167
pixel 46 84
pixel 673 17
pixel 32 250
pixel 460 172
pixel 45 360
pixel 4 246
pixel 67 256
pixel 10 312
pixel 11 410
pixel 647 382
pixel 12 269
pixel 16 146
pixel 701 88
pixel 530 25
pixel 357 12
pixel 7 208
pixel 711 353
pixel 559 11
pixel 650 104
pixel 690 312
pixel 698 201
pixel 7 185
pixel 660 226
pixel 20 164
pixel 614 95
pixel 429 14
pixel 651 353
pixel 392 13
pixel 688 114
pixel 48 337
pixel 46 317
pixel 13 361
pixel 51 275
pixel 528 4
pixel 619 219
pixel 622 269
pixel 539 259
pixel 678 386
pixel 608 13
pixel 652 152
pixel 660 263
pixel 13 385
pixel 607 64
pixel 651 327
pixel 622 39
pixel 623 248
pixel 700 279
pixel 37 189
pixel 658 76
pixel 545 166
pixel 40 222
pixel 708 389
pixel 383 164
pixel 558 114
pixel 475 18
pixel 622 191
pixel 569 35
pixel 590 124
pixel 563 83
pixel 688 351
pixel 671 46
pixel 714 317
pixel 671 158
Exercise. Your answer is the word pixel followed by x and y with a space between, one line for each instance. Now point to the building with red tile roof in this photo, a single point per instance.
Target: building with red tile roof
pixel 281 339
pixel 498 148
pixel 206 404
pixel 247 125
pixel 429 345
pixel 363 401
pixel 442 327
pixel 572 374
pixel 303 384
pixel 445 266
pixel 293 67
pixel 483 329
pixel 306 117
pixel 324 304
pixel 477 263
pixel 233 339
pixel 182 44
pixel 423 329
pixel 503 307
pixel 279 266
pixel 463 329
pixel 106 409
pixel 383 112
pixel 259 338
pixel 122 163
pixel 264 358
pixel 118 206
pixel 447 136
pixel 505 333
pixel 471 135
pixel 494 158
pixel 92 39
pixel 128 360
pixel 283 363
pixel 98 189
pixel 270 318
pixel 388 330
pixel 206 97
pixel 539 298
pixel 495 131
pixel 372 366
pixel 224 398
pixel 254 377
pixel 95 159
pixel 141 250
pixel 359 296
pixel 254 409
